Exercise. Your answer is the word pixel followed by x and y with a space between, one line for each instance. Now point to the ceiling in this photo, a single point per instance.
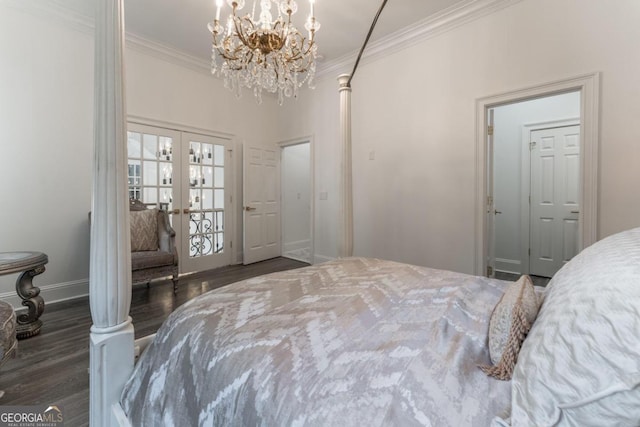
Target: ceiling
pixel 182 24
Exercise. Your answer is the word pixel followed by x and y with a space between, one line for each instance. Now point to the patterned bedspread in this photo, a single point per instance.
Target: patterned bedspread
pixel 351 342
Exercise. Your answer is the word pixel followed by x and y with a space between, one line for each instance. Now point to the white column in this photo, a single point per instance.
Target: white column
pixel 345 238
pixel 111 338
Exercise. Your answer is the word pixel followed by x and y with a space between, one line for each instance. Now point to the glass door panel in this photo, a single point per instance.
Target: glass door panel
pixel 151 164
pixel 205 161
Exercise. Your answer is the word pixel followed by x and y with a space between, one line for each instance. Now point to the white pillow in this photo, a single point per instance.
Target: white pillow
pixel 580 363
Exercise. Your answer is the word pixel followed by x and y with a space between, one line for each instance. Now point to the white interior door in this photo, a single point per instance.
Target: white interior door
pixel 490 212
pixel 555 191
pixel 261 204
pixel 205 202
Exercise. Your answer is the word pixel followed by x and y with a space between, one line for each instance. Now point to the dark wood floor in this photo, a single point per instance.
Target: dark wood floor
pixel 537 280
pixel 52 368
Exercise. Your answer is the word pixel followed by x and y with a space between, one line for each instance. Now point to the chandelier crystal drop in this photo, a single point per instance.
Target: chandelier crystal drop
pixel 263 53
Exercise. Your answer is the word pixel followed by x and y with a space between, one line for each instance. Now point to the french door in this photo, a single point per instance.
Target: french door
pixel 205 202
pixel 189 176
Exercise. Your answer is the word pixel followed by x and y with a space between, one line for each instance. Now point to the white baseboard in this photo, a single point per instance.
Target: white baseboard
pixel 56 292
pixel 513 266
pixel 319 259
pixel 294 246
pixel 296 258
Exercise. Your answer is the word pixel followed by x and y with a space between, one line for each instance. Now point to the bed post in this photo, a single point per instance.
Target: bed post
pixel 111 339
pixel 345 245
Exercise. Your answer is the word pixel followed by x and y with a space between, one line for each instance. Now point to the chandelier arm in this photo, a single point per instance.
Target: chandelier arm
pixel 228 55
pixel 289 20
pixel 278 45
pixel 366 40
pixel 301 54
pixel 239 31
pixel 214 33
pixel 236 52
pixel 301 51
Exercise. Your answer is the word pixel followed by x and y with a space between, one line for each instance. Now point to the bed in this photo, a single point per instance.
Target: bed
pixel 356 341
pixel 370 342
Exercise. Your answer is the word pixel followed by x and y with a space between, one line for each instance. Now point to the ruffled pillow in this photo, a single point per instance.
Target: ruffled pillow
pixel 509 324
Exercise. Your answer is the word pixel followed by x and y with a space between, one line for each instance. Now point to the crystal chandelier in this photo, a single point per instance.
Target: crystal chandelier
pixel 264 54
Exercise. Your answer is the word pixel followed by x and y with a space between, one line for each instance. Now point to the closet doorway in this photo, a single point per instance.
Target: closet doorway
pixel 297 200
pixel 535 146
pixel 588 87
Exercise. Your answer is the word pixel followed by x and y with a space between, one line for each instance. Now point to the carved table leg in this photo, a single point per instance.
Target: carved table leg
pixel 29 323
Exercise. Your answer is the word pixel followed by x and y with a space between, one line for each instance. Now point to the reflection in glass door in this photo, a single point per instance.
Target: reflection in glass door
pixel 207 201
pixel 150 154
pixel 185 174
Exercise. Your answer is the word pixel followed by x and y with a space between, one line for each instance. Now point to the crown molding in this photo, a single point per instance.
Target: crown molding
pixel 434 25
pixel 54 10
pixel 446 20
pixel 167 53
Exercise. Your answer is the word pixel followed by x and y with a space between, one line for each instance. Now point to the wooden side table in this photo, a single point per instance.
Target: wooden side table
pixel 30 264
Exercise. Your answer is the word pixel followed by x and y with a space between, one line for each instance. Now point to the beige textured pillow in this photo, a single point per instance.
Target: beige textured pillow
pixel 144 230
pixel 509 324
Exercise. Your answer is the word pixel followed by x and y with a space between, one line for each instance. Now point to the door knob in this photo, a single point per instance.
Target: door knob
pixel 176 212
pixel 496 212
pixel 185 211
pixel 249 208
pixel 575 212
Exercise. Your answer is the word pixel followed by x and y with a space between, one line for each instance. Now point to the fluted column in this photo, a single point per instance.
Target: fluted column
pixel 111 339
pixel 345 238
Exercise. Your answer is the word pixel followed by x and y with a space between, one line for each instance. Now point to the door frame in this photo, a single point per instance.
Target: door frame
pixel 312 175
pixel 589 87
pixel 525 183
pixel 490 206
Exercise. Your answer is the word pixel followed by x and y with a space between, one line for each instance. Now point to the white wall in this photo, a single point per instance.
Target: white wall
pixel 296 197
pixel 46 125
pixel 46 119
pixel 315 113
pixel 507 141
pixel 416 109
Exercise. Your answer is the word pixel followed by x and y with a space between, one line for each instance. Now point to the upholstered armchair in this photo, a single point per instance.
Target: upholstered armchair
pixel 153 250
